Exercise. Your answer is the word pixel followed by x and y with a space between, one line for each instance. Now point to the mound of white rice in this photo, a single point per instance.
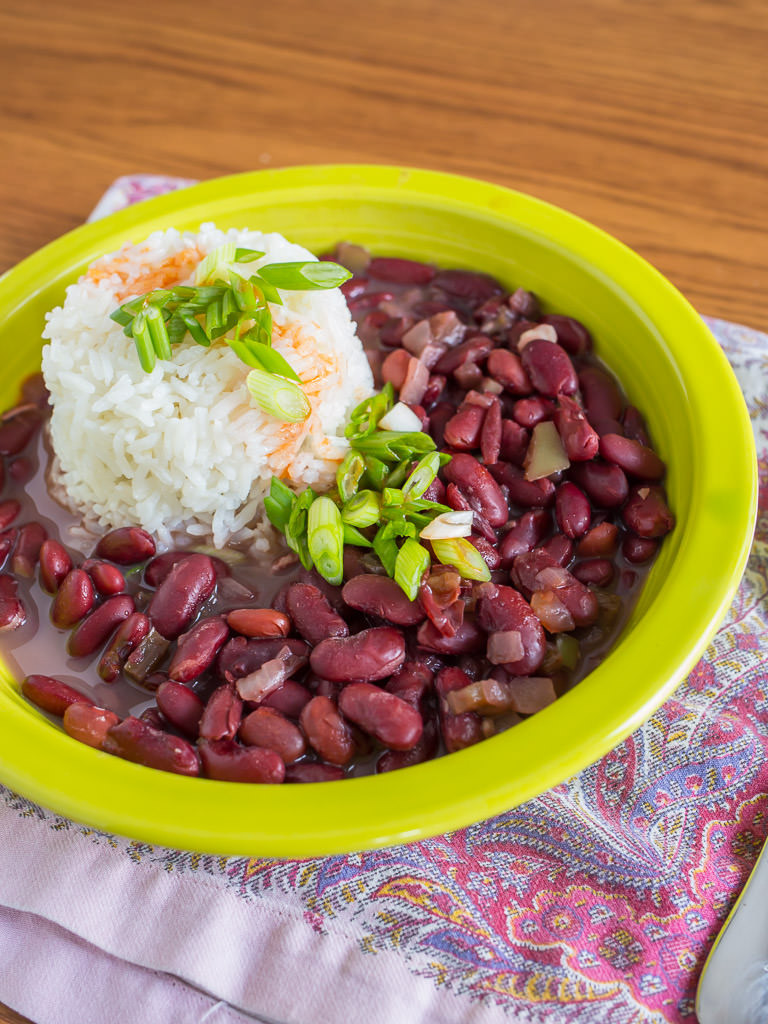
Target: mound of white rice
pixel 184 447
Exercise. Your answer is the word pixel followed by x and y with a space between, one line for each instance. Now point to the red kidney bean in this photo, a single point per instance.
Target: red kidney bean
pixel 88 724
pixel 489 552
pixel 73 600
pixel 325 688
pixel 9 511
pixel 468 638
pixel 506 368
pixel 181 595
pixel 602 397
pixel 526 493
pixel 128 636
pixel 17 428
pixel 634 426
pixel 572 510
pixel 507 610
pixel 633 457
pixel 382 715
pixel 353 287
pixel 196 649
pixel 181 706
pixel 395 367
pixel 309 772
pixel 456 499
pixel 549 368
pixel 259 623
pixel 369 655
pixel 94 630
pixel 435 388
pixel 327 732
pixel 227 761
pixel 469 285
pixel 527 533
pixel 401 271
pixel 570 592
pixel 153 717
pixel 514 442
pixel 145 657
pixel 51 694
pixel 639 549
pixel 369 302
pixel 381 596
pixel 435 491
pixel 606 426
pixel 480 488
pixel 462 431
pixel 12 611
pixel 139 742
pixel 470 352
pixel 604 483
pixel 27 553
pixel 240 657
pixel 438 417
pixel 157 570
pixel 393 330
pixel 597 571
pixel 127 545
pixel 560 548
pixel 424 750
pixel 312 614
pixel 571 334
pixel 646 512
pixel 490 435
pixel 524 303
pixel 289 698
pixel 221 718
pixel 7 540
pixel 530 411
pixel 107 578
pixel 527 566
pixel 580 441
pixel 267 728
pixel 413 683
pixel 459 731
pixel 600 541
pixel 468 376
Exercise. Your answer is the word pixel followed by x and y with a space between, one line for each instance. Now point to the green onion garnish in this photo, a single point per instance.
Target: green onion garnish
pixel 325 536
pixel 463 556
pixel 410 565
pixel 296 528
pixel 305 276
pixel 279 503
pixel 422 476
pixel 362 510
pixel 143 341
pixel 278 396
pixel 348 474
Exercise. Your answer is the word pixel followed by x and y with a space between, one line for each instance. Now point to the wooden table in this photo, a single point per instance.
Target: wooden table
pixel 647 119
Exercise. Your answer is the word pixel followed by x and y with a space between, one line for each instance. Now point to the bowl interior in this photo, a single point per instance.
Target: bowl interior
pixel 668 364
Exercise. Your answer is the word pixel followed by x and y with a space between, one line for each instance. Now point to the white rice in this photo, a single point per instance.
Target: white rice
pixel 184 447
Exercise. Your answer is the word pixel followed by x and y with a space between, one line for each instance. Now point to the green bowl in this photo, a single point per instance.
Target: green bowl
pixel 670 366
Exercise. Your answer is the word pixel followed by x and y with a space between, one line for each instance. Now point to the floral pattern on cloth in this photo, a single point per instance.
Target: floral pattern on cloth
pixel 596 902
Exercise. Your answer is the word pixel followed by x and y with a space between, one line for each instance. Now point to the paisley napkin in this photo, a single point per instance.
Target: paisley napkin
pixel 597 902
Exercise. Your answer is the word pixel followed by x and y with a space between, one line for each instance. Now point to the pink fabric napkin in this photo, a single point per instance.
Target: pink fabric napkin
pixel 596 902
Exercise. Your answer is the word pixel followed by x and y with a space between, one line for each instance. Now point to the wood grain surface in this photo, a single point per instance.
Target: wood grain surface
pixel 648 119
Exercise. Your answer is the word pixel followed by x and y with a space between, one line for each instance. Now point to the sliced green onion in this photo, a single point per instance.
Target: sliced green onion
pixel 355 538
pixel 122 316
pixel 214 316
pixel 244 354
pixel 463 556
pixel 278 396
pixel 247 255
pixel 261 330
pixel 296 528
pixel 375 472
pixel 279 503
pixel 194 327
pixel 158 333
pixel 396 478
pixel 176 328
pixel 366 415
pixel 410 565
pixel 325 537
pixel 394 445
pixel 267 291
pixel 392 496
pixel 348 474
pixel 303 276
pixel 215 266
pixel 243 292
pixel 386 550
pixel 362 510
pixel 143 342
pixel 270 360
pixel 423 475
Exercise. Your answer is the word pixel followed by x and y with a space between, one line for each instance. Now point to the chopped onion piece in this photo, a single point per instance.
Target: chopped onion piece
pixel 505 647
pixel 448 525
pixel 400 417
pixel 272 674
pixel 543 332
pixel 545 454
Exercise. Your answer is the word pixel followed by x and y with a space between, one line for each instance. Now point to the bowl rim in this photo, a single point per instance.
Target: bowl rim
pixel 114 795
